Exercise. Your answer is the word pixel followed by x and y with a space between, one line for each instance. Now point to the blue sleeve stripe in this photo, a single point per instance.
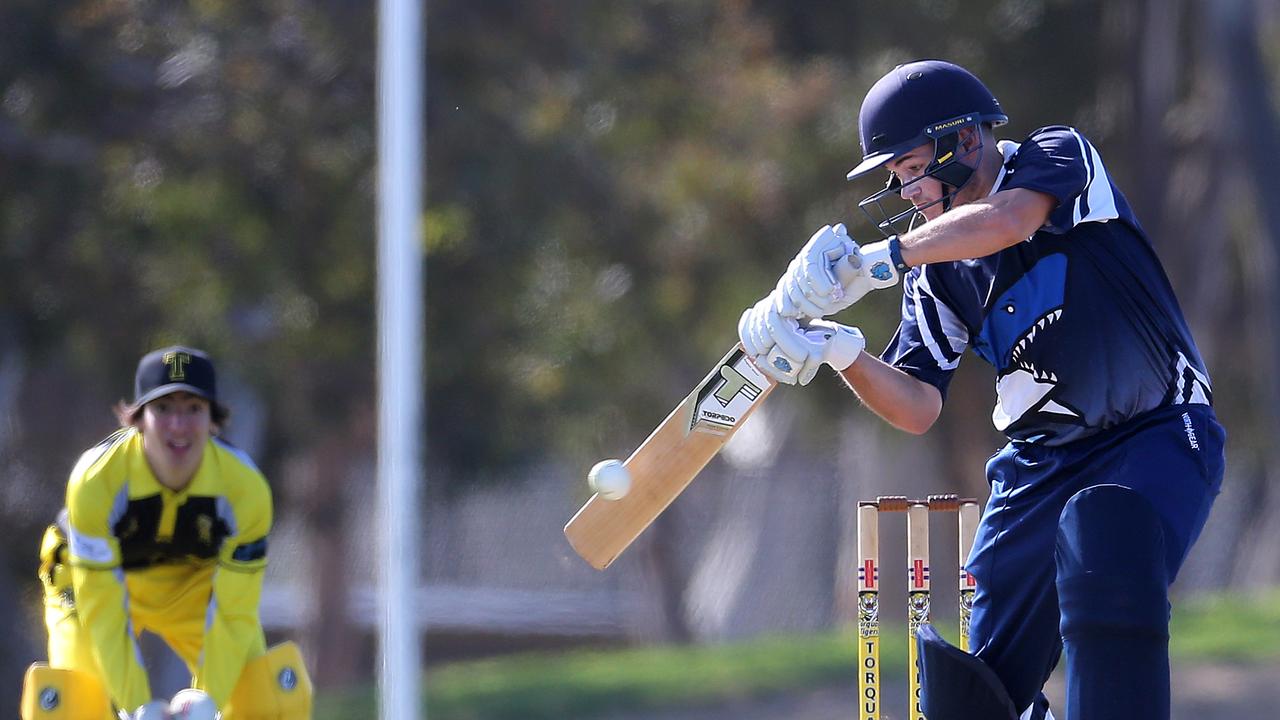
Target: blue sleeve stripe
pixel 251 551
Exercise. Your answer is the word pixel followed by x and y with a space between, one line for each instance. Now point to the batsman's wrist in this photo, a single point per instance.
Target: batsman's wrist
pixel 878 263
pixel 895 255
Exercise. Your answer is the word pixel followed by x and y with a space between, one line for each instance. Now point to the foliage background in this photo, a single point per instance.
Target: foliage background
pixel 608 185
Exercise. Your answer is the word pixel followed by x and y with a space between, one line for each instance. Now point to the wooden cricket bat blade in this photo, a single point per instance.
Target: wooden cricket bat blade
pixel 672 456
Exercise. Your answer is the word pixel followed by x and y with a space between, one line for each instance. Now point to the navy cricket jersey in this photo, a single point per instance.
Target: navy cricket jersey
pixel 1079 320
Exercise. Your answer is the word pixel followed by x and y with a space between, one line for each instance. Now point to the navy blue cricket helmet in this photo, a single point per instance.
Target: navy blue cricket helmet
pixel 922 101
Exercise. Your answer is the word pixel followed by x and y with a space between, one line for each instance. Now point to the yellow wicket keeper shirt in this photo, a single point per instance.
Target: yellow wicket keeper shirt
pixel 185 565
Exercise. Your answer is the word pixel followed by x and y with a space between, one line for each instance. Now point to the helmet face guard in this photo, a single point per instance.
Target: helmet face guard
pixel 946 167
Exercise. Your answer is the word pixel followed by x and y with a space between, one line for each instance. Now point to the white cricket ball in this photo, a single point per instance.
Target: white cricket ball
pixel 610 479
pixel 192 704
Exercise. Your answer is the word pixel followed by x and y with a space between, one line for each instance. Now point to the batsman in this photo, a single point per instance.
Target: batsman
pixel 165 529
pixel 1027 253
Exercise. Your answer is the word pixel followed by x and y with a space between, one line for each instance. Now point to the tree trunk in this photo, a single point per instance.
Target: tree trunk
pixel 319 486
pixel 1254 133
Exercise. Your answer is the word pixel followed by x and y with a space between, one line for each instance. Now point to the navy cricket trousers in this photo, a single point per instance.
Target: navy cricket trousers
pixel 1172 456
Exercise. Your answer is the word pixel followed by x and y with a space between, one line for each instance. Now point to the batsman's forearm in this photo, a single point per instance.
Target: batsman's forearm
pixel 977 229
pixel 899 399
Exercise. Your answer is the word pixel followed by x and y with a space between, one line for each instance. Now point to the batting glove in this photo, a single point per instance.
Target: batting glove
pixel 831 344
pixel 832 272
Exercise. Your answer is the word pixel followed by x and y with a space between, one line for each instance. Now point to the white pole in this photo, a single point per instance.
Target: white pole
pixel 400 350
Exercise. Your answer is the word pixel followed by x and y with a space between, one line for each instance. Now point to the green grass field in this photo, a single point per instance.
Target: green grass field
pixel 1218 629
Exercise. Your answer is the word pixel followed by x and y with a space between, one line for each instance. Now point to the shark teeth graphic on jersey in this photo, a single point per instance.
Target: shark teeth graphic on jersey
pixel 1029 337
pixel 1012 340
pixel 1024 388
pixel 1016 393
pixel 1041 376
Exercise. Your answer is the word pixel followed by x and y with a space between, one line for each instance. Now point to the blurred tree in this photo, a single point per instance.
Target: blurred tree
pixel 1241 42
pixel 609 185
pixel 182 172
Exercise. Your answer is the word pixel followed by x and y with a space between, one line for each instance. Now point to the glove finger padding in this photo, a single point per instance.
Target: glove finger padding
pixel 788 336
pixel 814 256
pixel 759 330
pixel 801 298
pixel 817 273
pixel 807 373
pixel 782 303
pixel 856 273
pixel 751 328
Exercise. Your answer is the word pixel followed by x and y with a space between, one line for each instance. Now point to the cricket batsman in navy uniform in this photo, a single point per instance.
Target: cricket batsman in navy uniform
pixel 1029 254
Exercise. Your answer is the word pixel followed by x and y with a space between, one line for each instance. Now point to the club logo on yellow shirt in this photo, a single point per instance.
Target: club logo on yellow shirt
pixel 204 527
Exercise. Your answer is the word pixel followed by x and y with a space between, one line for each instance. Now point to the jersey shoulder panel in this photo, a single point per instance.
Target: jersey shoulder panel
pixel 1050 160
pixel 102 459
pixel 101 473
pixel 240 475
pixel 238 454
pixel 247 493
pixel 1059 161
pixel 97 493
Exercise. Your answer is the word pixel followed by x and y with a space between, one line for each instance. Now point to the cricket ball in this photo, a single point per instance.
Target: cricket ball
pixel 610 479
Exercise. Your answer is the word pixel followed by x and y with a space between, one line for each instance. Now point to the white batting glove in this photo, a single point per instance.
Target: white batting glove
pixel 753 327
pixel 831 273
pixel 831 344
pixel 772 340
pixel 799 350
pixel 810 282
pixel 873 269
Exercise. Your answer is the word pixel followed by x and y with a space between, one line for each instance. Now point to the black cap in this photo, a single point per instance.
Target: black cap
pixel 174 369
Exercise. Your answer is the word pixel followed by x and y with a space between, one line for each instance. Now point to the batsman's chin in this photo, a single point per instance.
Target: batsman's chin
pixel 1026 390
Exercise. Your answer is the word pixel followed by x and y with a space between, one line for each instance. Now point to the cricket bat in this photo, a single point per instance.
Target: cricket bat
pixel 672 456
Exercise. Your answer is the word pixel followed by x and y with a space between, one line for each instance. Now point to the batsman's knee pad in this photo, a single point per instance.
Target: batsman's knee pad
pixel 54 694
pixel 955 685
pixel 1113 595
pixel 1111 564
pixel 272 686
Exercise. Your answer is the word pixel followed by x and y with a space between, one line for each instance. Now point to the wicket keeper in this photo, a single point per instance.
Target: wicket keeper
pixel 165 529
pixel 1027 253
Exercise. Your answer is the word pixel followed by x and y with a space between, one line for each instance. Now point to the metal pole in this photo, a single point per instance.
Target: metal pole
pixel 400 350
